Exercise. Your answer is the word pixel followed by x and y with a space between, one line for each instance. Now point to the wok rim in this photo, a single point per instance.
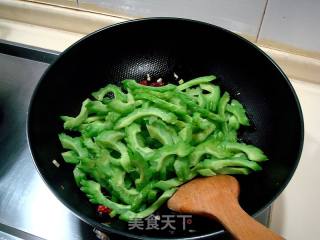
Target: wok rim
pixel 111 230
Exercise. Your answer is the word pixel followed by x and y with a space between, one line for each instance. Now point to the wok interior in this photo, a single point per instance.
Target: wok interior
pixel 161 47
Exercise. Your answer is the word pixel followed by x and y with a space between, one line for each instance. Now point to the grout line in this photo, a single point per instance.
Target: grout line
pixel 262 18
pixel 77 8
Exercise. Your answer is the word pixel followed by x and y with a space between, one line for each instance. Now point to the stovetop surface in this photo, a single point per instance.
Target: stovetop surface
pixel 28 210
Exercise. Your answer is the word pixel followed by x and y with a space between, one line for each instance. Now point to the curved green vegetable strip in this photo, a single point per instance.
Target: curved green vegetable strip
pixel 208 147
pixel 253 153
pixel 234 170
pixel 176 100
pixel 233 123
pixel 97 107
pixel 212 98
pixel 186 118
pixel 122 107
pixel 152 195
pixel 92 119
pixel 146 105
pixel 192 92
pixel 181 167
pixel 186 133
pixel 167 96
pixel 209 87
pixel 133 85
pixel 165 185
pixel 143 168
pixel 140 199
pixel 163 104
pixel 160 133
pixel 96 165
pixel 124 159
pixel 195 107
pixel 196 81
pixel 180 149
pixel 200 122
pixel 215 165
pixel 179 125
pixel 102 92
pixel 93 191
pixel 167 167
pixel 238 111
pixel 222 104
pixel 131 138
pixel 78 176
pixel 93 129
pixel 203 135
pixel 112 117
pixel 231 135
pixel 74 122
pixel 167 132
pixel 111 139
pixel 129 215
pixel 91 145
pixel 116 182
pixel 139 113
pixel 206 172
pixel 70 157
pixel 109 174
pixel 202 101
pixel 74 144
pixel 130 97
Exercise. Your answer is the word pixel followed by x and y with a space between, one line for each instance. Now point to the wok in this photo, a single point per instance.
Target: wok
pixel 161 47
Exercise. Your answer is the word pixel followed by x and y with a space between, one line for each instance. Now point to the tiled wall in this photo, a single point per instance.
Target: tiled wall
pixel 242 16
pixel 67 3
pixel 291 25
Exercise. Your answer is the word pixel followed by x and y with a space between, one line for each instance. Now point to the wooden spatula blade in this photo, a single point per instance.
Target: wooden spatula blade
pixel 217 197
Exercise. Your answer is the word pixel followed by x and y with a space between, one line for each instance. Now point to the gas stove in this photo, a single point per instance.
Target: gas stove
pixel 28 210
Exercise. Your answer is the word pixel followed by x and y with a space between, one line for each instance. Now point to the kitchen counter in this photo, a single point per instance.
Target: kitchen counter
pixel 296 212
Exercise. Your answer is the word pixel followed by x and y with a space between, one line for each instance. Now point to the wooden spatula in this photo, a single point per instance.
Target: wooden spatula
pixel 217 197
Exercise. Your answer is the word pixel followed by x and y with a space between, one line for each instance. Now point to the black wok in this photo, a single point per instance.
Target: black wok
pixel 160 47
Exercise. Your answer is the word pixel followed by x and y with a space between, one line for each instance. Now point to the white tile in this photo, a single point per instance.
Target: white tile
pixel 292 23
pixel 68 3
pixel 295 213
pixel 242 16
pixel 62 18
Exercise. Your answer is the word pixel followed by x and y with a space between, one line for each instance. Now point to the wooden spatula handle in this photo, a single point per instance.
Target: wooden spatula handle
pixel 217 197
pixel 242 226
